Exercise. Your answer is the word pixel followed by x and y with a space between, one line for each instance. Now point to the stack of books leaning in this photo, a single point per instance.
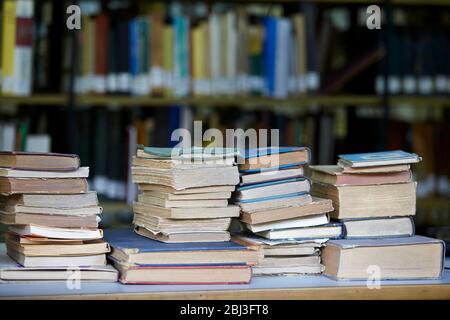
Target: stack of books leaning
pixel 374 197
pixel 52 218
pixel 183 206
pixel 278 214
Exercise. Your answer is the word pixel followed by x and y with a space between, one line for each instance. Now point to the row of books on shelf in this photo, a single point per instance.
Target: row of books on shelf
pixel 357 214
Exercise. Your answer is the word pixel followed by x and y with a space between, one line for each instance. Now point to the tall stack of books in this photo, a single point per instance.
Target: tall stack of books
pixel 52 217
pixel 278 214
pixel 374 197
pixel 181 219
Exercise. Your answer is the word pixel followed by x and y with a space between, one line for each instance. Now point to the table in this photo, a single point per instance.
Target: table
pixel 298 287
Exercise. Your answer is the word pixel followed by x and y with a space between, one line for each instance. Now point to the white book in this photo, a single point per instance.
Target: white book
pixel 325 231
pixel 282 58
pixel 58 261
pixel 57 233
pixel 308 221
pixel 82 172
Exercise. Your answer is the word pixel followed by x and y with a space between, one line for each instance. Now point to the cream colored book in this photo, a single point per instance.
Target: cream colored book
pixel 218 236
pixel 58 233
pixel 192 196
pixel 230 211
pixel 296 270
pixel 61 201
pixel 82 172
pixel 160 188
pixel 180 164
pixel 165 203
pixel 253 207
pixel 288 261
pixel 58 261
pixel 166 226
pixel 86 211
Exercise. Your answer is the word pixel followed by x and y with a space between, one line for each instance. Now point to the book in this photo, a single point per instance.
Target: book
pixel 305 269
pixel 13 272
pixel 183 179
pixel 273 189
pixel 385 200
pixel 229 211
pixel 10 186
pixel 48 220
pixel 166 203
pixel 317 206
pixel 57 261
pixel 158 163
pixel 38 250
pixel 308 221
pixel 272 158
pixel 376 169
pixel 184 274
pixel 289 261
pixel 194 153
pixel 82 172
pixel 39 161
pixel 334 175
pixel 9 12
pixel 331 231
pixel 57 212
pixel 415 257
pixel 129 247
pixel 378 159
pixel 166 189
pixel 181 237
pixel 60 201
pixel 187 197
pixel 379 227
pixel 58 233
pixel 266 176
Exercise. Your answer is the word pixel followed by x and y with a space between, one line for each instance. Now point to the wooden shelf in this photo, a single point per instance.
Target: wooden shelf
pixel 226 101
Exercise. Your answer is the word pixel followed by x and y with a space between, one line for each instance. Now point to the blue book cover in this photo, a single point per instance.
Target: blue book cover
pixel 269 48
pixel 133 38
pixel 258 152
pixel 127 240
pixel 269 183
pixel 270 198
pixel 391 157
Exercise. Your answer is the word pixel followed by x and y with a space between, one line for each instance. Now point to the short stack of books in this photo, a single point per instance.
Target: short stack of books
pixel 184 194
pixel 278 214
pixel 141 260
pixel 374 197
pixel 52 217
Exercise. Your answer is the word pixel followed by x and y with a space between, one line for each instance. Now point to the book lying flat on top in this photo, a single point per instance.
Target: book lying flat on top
pixel 334 175
pixel 13 272
pixel 180 237
pixel 308 221
pixel 229 211
pixel 82 172
pixel 131 248
pixel 166 203
pixel 183 179
pixel 372 201
pixel 317 206
pixel 413 257
pixel 330 231
pixel 167 226
pixel 290 200
pixel 42 186
pixel 378 227
pixel 39 161
pixel 144 161
pixel 252 160
pixel 85 248
pixel 201 190
pixel 62 201
pixel 49 220
pixel 259 192
pixel 57 261
pixel 206 153
pixel 184 274
pixel 373 159
pixel 57 233
pixel 274 175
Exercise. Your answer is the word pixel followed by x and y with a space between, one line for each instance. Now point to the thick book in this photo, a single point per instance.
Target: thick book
pixel 317 206
pixel 376 169
pixel 271 190
pixel 58 212
pixel 85 248
pixel 82 172
pixel 49 220
pixel 387 200
pixel 56 233
pixel 378 227
pixel 39 161
pixel 334 175
pixel 12 272
pixel 274 175
pixel 10 186
pixel 186 236
pixel 329 231
pixel 57 261
pixel 229 211
pixel 415 257
pixel 162 163
pixel 131 248
pixel 373 159
pixel 308 221
pixel 150 199
pixel 184 274
pixel 269 203
pixel 272 158
pixel 55 201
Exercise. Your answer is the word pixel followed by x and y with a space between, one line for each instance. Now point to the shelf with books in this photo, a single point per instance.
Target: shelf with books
pixel 35 100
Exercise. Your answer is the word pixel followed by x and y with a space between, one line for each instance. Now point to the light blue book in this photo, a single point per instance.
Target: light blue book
pixel 193 152
pixel 374 159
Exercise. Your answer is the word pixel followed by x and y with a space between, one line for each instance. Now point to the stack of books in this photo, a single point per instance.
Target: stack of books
pixel 184 196
pixel 145 261
pixel 374 197
pixel 278 214
pixel 52 217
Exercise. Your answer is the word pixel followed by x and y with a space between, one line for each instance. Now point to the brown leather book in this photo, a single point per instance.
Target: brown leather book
pixel 56 186
pixel 39 161
pixel 101 44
